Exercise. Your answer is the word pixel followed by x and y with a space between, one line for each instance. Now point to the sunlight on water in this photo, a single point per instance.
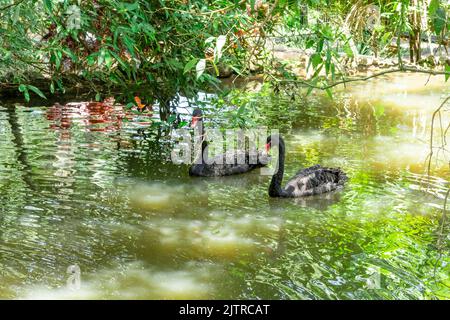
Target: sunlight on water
pixel 409 85
pixel 135 282
pixel 424 103
pixel 159 197
pixel 79 186
pixel 220 236
pixel 155 196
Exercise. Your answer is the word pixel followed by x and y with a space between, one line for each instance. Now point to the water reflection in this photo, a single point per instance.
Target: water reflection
pixel 319 202
pixel 79 186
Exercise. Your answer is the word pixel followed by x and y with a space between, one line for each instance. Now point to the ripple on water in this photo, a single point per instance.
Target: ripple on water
pixel 158 197
pixel 150 235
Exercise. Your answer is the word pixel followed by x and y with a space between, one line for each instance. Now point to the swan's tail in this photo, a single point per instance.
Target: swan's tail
pixel 326 180
pixel 340 175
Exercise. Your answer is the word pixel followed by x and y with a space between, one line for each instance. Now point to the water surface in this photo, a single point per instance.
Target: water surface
pixel 80 186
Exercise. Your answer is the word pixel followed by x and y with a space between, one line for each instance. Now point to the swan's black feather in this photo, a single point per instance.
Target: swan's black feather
pixel 224 164
pixel 220 167
pixel 315 180
pixel 307 182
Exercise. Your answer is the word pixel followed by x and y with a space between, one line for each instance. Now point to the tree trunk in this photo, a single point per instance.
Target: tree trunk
pixel 415 33
pixel 304 15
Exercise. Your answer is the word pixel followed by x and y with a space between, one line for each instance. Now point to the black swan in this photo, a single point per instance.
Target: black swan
pixel 218 166
pixel 307 182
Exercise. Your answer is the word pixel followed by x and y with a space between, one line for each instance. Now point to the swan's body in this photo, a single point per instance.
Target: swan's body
pixel 307 182
pixel 315 180
pixel 218 165
pixel 221 165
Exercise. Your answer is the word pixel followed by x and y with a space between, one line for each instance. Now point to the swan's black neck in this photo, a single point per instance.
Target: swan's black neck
pixel 204 150
pixel 275 189
pixel 201 132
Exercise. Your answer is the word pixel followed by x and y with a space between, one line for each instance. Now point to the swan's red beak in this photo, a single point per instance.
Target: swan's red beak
pixel 194 121
pixel 268 147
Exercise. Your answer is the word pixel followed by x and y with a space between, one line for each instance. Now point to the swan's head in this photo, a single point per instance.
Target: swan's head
pixel 197 116
pixel 274 140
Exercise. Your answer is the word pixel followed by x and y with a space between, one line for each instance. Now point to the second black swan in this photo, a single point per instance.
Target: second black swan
pixel 218 166
pixel 307 182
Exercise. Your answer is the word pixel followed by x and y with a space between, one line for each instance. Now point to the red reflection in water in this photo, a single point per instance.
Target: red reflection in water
pixel 93 116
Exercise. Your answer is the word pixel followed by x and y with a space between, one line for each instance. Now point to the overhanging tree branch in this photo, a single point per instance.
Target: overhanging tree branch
pixel 348 80
pixel 430 155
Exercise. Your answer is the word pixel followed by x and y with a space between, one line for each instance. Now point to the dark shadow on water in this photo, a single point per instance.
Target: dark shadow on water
pixel 19 144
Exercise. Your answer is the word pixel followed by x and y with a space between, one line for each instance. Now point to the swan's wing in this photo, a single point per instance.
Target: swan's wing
pixel 258 158
pixel 309 170
pixel 315 180
pixel 222 166
pixel 230 163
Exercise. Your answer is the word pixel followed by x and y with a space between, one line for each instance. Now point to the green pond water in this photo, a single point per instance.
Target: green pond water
pixel 80 187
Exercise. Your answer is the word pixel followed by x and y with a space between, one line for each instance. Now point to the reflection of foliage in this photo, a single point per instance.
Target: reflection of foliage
pixel 284 109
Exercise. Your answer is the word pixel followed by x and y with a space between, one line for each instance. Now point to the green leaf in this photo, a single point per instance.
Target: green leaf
pixel 378 110
pixel 57 56
pixel 129 44
pixel 101 58
pixel 71 55
pixel 328 62
pixel 60 86
pixel 310 89
pixel 98 97
pixel 48 5
pixel 92 58
pixel 333 71
pixel 439 21
pixel 433 6
pixel 174 64
pixel 316 59
pixel 190 65
pixel 215 68
pixel 327 32
pixel 348 51
pixel 26 94
pixel 329 93
pixel 37 91
pixel 171 118
pixel 118 59
pixel 52 88
pixel 131 6
pixel 320 45
pixel 23 88
pixel 108 59
pixel 386 37
pixel 310 43
pixel 183 124
pixel 235 69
